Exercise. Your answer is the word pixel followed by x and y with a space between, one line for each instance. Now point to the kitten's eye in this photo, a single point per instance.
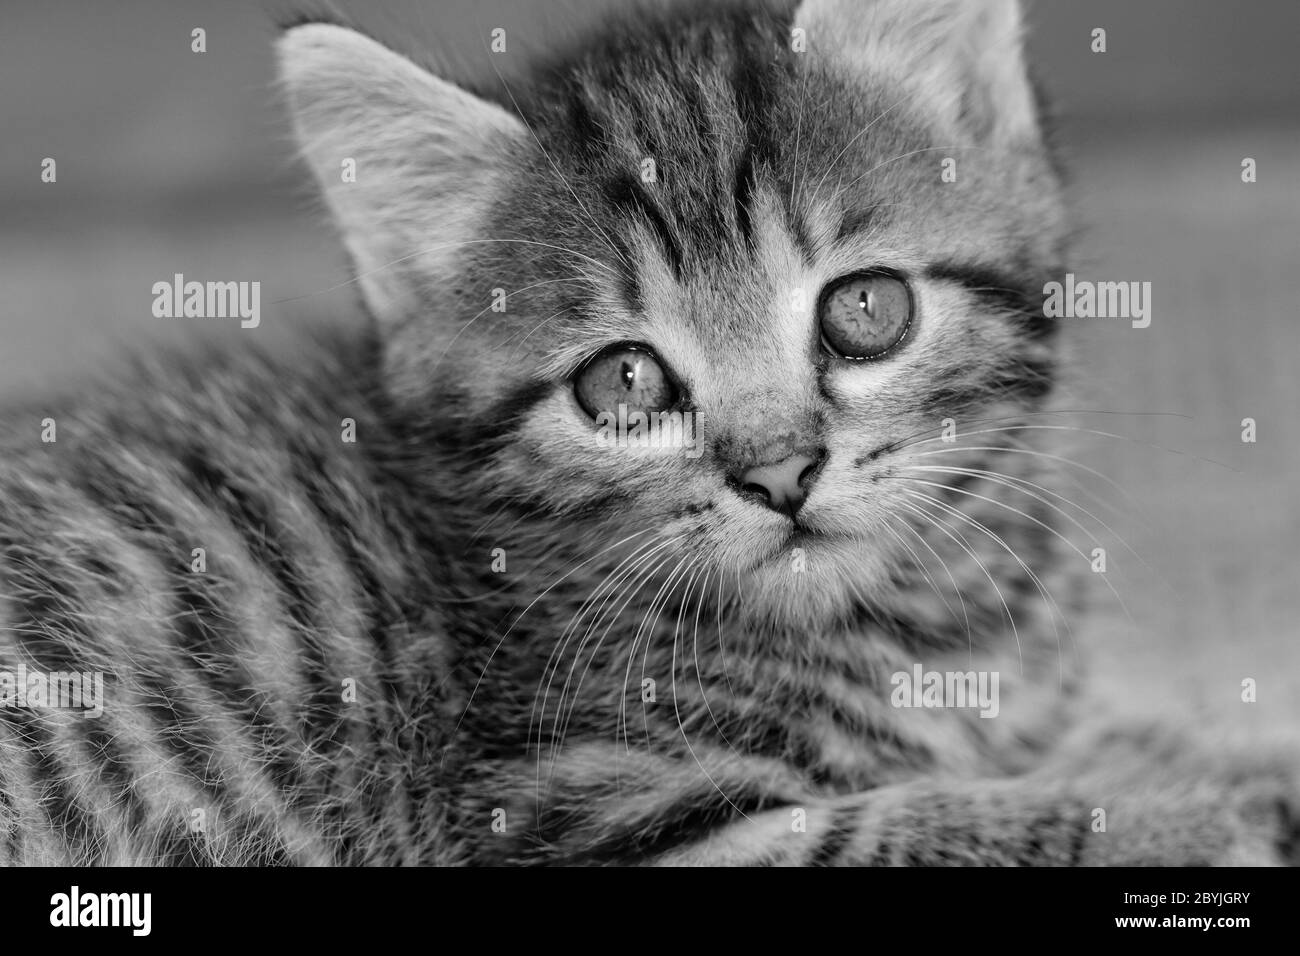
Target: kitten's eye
pixel 864 316
pixel 625 375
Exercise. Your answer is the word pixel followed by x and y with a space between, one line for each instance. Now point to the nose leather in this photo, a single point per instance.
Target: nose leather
pixel 784 484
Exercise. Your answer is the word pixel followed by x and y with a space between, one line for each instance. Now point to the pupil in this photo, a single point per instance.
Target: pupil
pixel 628 374
pixel 867 302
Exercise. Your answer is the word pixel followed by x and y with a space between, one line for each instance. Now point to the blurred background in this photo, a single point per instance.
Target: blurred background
pixel 173 161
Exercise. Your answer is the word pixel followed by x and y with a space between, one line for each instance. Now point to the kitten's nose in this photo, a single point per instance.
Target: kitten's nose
pixel 783 486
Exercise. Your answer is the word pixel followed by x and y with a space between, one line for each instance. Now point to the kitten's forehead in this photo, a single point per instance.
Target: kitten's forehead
pixel 717 179
pixel 673 136
pixel 744 312
pixel 671 129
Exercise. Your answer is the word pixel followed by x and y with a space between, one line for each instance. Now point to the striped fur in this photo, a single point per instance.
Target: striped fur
pixel 354 678
pixel 223 688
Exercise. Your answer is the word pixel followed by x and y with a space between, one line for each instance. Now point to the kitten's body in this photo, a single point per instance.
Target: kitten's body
pixel 329 562
pixel 356 677
pixel 223 686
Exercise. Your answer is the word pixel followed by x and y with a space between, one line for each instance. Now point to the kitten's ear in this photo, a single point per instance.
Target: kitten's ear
pixel 407 162
pixel 962 59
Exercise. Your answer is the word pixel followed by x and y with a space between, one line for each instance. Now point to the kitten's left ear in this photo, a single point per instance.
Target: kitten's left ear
pixel 962 59
pixel 407 162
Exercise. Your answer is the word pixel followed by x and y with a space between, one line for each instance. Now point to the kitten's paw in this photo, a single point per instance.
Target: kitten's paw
pixel 1208 822
pixel 1172 798
pixel 1277 814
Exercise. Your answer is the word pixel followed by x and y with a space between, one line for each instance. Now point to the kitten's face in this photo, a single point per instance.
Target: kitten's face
pixel 811 259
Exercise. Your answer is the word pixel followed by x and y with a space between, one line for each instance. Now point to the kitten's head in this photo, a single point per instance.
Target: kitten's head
pixel 815 234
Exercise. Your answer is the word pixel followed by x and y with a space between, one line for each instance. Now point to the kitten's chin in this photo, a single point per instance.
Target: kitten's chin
pixel 811 579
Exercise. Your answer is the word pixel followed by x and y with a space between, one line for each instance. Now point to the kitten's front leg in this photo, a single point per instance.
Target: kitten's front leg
pixel 917 824
pixel 1021 822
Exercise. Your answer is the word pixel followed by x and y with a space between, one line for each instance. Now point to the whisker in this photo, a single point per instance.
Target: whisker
pixel 895 159
pixel 649 619
pixel 610 584
pixel 862 132
pixel 1044 525
pixel 920 565
pixel 1060 459
pixel 574 570
pixel 960 539
pixel 699 676
pixel 1053 608
pixel 603 590
pixel 722 650
pixel 459 332
pixel 1086 431
pixel 798 133
pixel 639 573
pixel 677 713
pixel 1013 483
pixel 593 226
pixel 553 315
pixel 995 419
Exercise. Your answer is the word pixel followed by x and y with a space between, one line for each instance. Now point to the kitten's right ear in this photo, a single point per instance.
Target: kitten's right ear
pixel 962 59
pixel 407 162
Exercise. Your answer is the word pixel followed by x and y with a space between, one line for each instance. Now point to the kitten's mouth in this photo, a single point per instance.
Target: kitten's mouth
pixel 803 535
pixel 799 541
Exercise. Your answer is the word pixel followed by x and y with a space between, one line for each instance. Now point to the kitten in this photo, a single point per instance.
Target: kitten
pixel 486 631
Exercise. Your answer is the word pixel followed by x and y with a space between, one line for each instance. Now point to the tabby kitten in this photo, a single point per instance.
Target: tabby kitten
pixel 484 633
